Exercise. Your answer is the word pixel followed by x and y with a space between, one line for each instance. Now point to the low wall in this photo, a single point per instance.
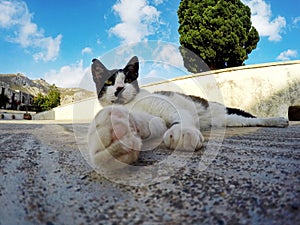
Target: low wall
pixel 81 111
pixel 265 90
pixel 47 115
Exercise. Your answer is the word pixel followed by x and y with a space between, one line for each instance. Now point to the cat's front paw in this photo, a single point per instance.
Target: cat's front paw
pixel 183 138
pixel 113 138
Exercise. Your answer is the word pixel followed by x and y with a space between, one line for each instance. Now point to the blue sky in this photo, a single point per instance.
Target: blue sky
pixel 56 40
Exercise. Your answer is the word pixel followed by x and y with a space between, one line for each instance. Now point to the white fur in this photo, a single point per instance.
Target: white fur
pixel 239 121
pixel 119 132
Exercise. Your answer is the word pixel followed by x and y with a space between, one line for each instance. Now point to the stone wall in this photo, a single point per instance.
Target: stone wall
pixel 264 90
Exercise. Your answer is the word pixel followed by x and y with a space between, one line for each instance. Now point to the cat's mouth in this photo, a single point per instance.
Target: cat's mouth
pixel 119 101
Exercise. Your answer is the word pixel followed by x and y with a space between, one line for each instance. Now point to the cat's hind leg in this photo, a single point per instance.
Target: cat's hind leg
pixel 234 120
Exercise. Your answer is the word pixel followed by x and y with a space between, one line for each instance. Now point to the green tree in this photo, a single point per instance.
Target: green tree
pixel 39 100
pixel 51 100
pixel 218 31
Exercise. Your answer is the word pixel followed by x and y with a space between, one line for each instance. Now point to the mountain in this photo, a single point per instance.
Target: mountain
pixel 20 82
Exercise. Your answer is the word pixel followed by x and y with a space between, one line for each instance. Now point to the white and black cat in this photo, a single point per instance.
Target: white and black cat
pixel 133 118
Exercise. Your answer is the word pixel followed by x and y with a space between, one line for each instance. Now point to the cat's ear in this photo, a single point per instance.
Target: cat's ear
pixel 133 66
pixel 99 72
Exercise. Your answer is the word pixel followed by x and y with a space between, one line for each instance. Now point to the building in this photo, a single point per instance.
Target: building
pixel 18 100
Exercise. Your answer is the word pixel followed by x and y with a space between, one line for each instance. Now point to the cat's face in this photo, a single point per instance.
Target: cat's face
pixel 116 86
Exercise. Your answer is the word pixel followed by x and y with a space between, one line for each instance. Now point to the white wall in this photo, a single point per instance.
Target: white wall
pixel 264 90
pixel 81 111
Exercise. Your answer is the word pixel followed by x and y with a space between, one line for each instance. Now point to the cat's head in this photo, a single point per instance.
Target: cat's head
pixel 117 86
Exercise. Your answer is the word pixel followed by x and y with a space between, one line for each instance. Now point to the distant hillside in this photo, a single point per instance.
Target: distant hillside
pixel 33 87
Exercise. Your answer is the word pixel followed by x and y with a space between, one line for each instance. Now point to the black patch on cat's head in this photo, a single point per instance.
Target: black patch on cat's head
pixel 100 75
pixel 131 70
pixel 104 77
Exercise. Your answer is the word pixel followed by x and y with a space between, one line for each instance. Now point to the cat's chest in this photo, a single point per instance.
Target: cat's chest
pixel 142 101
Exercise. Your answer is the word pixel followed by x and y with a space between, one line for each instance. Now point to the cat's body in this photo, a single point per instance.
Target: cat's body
pixel 133 119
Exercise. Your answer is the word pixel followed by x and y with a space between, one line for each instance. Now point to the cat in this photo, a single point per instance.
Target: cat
pixel 133 119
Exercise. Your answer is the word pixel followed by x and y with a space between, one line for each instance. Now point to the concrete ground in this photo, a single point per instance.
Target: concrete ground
pixel 253 178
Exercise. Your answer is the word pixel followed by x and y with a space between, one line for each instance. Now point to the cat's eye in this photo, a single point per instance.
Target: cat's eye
pixel 108 82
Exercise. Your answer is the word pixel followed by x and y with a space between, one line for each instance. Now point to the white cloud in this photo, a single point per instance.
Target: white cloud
pixel 158 2
pixel 99 42
pixel 71 76
pixel 262 20
pixel 50 46
pixel 138 20
pixel 168 55
pixel 9 12
pixel 152 73
pixel 86 50
pixel 287 55
pixel 16 18
pixel 296 20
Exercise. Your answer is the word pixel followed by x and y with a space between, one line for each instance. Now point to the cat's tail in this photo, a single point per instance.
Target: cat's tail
pixel 238 112
pixel 239 118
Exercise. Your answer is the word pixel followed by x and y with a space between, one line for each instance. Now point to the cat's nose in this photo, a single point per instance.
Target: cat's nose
pixel 119 89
